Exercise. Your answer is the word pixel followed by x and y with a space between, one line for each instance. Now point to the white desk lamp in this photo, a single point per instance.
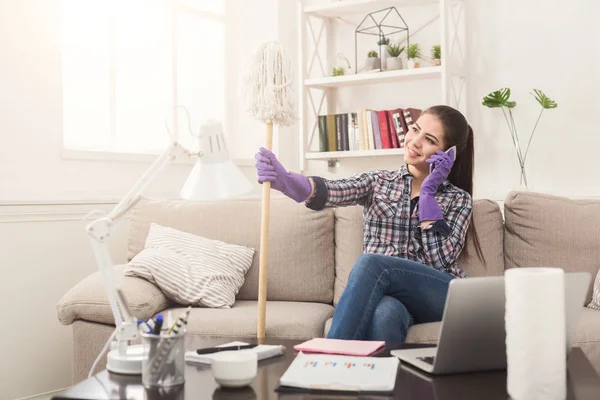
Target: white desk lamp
pixel 213 177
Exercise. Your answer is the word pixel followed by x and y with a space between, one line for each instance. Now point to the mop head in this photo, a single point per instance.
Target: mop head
pixel 267 86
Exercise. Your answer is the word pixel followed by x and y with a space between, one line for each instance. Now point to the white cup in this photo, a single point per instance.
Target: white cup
pixel 234 368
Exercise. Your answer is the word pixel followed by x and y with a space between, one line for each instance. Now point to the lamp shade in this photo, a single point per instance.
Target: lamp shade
pixel 214 176
pixel 212 182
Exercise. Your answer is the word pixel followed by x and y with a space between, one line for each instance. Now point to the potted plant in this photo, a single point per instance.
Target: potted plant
pixel 394 51
pixel 413 54
pixel 501 99
pixel 372 62
pixel 383 43
pixel 338 71
pixel 436 54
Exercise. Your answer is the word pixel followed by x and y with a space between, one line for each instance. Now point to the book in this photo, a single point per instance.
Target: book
pixel 399 124
pixel 262 351
pixel 376 134
pixel 392 130
pixel 339 144
pixel 411 115
pixel 384 131
pixel 339 346
pixel 341 373
pixel 331 134
pixel 323 139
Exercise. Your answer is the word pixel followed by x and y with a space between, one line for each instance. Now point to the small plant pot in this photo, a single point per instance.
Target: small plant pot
pixel 394 63
pixel 383 54
pixel 412 63
pixel 437 62
pixel 372 63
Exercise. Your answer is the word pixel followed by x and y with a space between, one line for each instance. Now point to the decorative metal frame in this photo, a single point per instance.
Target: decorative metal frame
pixel 378 28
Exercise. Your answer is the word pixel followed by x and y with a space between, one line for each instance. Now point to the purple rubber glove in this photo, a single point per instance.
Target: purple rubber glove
pixel 442 162
pixel 268 168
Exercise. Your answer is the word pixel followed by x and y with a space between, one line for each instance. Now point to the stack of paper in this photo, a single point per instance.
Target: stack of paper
pixel 263 351
pixel 335 372
pixel 339 346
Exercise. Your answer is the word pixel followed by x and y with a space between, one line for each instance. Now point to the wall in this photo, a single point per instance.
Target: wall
pixel 44 253
pixel 31 166
pixel 525 45
pixel 43 196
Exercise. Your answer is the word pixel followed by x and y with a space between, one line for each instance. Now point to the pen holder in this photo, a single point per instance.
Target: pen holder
pixel 164 363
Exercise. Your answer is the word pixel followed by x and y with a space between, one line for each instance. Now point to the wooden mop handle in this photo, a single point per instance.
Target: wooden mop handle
pixel 264 245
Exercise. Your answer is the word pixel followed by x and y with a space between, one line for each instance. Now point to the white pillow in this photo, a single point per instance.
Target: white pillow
pixel 191 269
pixel 596 295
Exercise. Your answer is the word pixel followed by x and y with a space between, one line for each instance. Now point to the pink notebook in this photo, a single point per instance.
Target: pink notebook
pixel 338 346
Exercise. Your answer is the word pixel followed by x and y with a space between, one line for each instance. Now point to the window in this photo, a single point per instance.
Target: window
pixel 127 63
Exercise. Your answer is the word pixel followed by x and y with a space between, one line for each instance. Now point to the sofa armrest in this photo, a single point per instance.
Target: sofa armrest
pixel 88 301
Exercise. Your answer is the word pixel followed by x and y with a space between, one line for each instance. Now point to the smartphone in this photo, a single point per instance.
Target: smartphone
pixel 447 152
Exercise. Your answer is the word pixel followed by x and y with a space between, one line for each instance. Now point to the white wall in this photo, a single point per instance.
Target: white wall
pixel 31 165
pixel 44 253
pixel 43 196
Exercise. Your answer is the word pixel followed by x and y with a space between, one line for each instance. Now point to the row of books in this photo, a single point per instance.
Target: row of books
pixel 365 129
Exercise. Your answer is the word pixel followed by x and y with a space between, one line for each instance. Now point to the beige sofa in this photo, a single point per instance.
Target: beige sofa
pixel 310 257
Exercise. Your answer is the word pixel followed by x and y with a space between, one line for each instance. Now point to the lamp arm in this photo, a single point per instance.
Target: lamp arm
pixel 101 228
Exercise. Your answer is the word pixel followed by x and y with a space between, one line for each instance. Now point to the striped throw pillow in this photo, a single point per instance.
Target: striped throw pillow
pixel 190 269
pixel 595 304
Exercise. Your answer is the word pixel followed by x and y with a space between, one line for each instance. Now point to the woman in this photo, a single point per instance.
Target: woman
pixel 416 222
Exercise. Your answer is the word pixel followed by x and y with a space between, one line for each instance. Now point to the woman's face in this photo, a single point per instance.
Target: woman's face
pixel 422 140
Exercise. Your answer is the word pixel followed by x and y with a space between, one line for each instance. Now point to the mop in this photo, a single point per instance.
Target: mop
pixel 268 96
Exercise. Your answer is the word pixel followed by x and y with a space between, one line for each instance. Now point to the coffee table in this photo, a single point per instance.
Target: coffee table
pixel 583 381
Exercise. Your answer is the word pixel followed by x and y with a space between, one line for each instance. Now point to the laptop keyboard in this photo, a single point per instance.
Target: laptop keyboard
pixel 428 360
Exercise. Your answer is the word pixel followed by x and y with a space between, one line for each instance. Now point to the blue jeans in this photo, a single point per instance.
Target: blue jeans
pixel 385 296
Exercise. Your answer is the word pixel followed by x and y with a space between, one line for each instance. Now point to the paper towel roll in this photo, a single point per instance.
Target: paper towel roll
pixel 536 334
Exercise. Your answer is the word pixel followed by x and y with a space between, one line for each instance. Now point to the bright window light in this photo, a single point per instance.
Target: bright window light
pixel 126 63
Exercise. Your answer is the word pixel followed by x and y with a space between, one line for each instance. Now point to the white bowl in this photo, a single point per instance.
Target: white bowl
pixel 234 368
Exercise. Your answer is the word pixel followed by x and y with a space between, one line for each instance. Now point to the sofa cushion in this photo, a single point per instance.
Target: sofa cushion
pixel 285 320
pixel 348 245
pixel 301 244
pixel 88 301
pixel 487 219
pixel 190 269
pixel 551 231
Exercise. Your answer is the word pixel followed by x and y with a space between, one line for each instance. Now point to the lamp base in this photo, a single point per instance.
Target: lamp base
pixel 128 364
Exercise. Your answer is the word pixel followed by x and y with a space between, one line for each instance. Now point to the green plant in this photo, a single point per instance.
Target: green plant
pixel 501 99
pixel 414 51
pixel 436 52
pixel 338 71
pixel 372 53
pixel 394 50
pixel 383 41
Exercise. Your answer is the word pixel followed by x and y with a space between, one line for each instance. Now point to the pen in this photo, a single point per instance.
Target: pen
pixel 158 324
pixel 228 348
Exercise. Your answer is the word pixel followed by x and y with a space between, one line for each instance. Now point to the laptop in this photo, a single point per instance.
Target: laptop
pixel 472 334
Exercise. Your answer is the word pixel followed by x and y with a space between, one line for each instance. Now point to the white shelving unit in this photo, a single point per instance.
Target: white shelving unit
pixel 373 77
pixel 450 74
pixel 334 155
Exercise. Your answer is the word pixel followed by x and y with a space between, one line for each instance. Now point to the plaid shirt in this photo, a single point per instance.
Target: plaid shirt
pixel 392 226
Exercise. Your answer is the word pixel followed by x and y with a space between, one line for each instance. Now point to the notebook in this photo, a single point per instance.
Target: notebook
pixel 341 373
pixel 339 346
pixel 262 351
